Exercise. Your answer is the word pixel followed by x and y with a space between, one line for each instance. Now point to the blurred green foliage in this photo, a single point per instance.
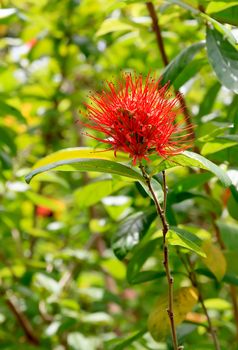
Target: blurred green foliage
pixel 62 285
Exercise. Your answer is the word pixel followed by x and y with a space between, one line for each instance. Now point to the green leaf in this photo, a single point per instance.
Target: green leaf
pixel 100 189
pixel 8 139
pixel 228 277
pixel 115 268
pixel 80 152
pixel 131 231
pixel 51 203
pixel 229 233
pixel 6 109
pixel 86 164
pixel 115 25
pixel 217 304
pixel 186 239
pixel 191 181
pixel 234 192
pixel 209 99
pixel 129 340
pixel 192 159
pixel 139 258
pixel 217 6
pixel 147 276
pixel 224 11
pixel 216 146
pixel 223 57
pixel 189 72
pixel 229 15
pixel 176 67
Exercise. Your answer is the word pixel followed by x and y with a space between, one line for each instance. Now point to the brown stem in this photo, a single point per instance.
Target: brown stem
pixel 23 321
pixel 160 43
pixel 156 29
pixel 233 291
pixel 193 278
pixel 165 225
pixel 165 190
pixel 211 329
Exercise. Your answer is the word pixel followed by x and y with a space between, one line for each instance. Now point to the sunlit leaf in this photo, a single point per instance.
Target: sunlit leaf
pixel 186 239
pixel 87 164
pixel 100 189
pixel 191 159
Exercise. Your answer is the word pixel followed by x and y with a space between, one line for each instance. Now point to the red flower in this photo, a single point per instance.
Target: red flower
pixel 138 117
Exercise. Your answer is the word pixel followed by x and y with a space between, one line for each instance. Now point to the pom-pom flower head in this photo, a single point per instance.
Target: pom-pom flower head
pixel 137 116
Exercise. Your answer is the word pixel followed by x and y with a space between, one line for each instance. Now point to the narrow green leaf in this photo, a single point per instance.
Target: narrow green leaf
pixel 117 25
pixel 183 238
pixel 8 139
pixel 131 231
pixel 147 276
pixel 189 72
pixel 223 57
pixel 128 341
pixel 85 164
pixel 228 277
pixel 217 6
pixel 177 66
pixel 50 203
pixel 209 99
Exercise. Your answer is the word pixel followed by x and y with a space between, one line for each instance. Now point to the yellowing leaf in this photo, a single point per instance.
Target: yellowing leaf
pixel 158 322
pixel 215 260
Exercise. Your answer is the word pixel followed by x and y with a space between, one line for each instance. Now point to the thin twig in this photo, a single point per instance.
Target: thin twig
pixel 165 191
pixel 159 39
pixel 193 279
pixel 165 225
pixel 156 29
pixel 23 321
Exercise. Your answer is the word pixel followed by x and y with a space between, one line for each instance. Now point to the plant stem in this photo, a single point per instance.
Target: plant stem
pixel 160 43
pixel 211 329
pixel 193 279
pixel 22 320
pixel 162 215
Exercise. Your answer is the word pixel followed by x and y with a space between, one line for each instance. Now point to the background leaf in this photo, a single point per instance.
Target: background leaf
pixel 223 57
